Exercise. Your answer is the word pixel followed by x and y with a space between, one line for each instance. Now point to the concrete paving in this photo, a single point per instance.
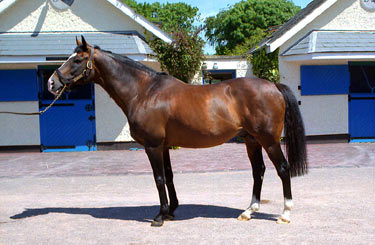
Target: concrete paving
pixel 110 198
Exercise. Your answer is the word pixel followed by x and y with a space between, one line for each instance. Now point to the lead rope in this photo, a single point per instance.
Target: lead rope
pixel 39 112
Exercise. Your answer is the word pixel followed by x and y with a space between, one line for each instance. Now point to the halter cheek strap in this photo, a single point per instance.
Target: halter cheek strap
pixel 84 73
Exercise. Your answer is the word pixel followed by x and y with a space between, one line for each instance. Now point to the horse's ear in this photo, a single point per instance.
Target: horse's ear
pixel 84 43
pixel 78 41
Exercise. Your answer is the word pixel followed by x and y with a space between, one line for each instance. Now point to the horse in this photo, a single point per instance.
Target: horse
pixel 163 111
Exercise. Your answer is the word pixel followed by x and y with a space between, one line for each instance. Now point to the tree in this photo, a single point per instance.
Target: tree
pixel 265 65
pixel 171 16
pixel 244 24
pixel 182 58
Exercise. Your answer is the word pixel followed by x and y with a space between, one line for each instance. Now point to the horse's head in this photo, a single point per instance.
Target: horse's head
pixel 77 70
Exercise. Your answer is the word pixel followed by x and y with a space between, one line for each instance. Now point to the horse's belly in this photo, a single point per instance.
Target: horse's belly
pixel 198 138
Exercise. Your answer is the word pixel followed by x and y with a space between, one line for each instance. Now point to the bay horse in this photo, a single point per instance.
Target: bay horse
pixel 163 111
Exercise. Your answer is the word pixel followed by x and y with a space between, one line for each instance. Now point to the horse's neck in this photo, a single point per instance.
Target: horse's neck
pixel 122 86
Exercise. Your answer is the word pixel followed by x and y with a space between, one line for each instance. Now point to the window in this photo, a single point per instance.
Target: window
pixel 18 85
pixel 324 80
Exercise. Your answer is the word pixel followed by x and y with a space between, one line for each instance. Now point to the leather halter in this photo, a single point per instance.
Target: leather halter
pixel 84 74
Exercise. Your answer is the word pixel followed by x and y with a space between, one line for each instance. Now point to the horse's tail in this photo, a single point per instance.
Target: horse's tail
pixel 294 133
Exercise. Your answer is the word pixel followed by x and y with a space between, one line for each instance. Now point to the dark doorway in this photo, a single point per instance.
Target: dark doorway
pixel 362 77
pixel 216 76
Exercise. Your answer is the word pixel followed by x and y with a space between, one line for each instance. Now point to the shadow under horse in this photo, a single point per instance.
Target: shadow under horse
pixel 163 111
pixel 143 213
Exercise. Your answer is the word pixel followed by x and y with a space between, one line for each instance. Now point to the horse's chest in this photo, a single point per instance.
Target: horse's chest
pixel 143 128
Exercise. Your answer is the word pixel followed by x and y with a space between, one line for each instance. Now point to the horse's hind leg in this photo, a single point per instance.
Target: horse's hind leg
pixel 254 151
pixel 170 185
pixel 282 167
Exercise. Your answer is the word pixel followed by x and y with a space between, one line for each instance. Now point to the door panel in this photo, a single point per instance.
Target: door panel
pixel 69 125
pixel 362 101
pixel 362 116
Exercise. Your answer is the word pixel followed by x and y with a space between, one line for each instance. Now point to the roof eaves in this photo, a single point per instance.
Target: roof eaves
pixel 5 4
pixel 294 25
pixel 141 20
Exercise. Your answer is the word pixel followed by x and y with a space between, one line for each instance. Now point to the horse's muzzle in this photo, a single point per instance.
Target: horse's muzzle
pixel 54 84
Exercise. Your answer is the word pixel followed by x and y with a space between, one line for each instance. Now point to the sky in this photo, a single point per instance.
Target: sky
pixel 212 7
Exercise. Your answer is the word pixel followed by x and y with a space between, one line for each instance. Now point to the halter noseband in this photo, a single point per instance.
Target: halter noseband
pixel 68 81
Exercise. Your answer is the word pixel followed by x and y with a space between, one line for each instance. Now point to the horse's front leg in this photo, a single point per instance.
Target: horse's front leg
pixel 155 155
pixel 170 185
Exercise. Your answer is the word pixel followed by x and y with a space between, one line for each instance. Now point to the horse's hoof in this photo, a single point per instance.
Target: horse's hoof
pixel 168 217
pixel 282 220
pixel 243 217
pixel 157 223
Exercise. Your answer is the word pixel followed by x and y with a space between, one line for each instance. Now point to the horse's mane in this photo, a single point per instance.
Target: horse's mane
pixel 123 59
pixel 127 61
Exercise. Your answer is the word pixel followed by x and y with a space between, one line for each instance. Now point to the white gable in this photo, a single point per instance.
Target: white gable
pixel 93 15
pixel 323 15
pixel 345 15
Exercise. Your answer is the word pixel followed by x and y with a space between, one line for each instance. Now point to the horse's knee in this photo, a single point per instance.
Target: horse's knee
pixel 160 181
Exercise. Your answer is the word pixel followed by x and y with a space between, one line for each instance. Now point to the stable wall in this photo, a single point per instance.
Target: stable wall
pixel 324 114
pixel 41 16
pixel 19 130
pixel 111 123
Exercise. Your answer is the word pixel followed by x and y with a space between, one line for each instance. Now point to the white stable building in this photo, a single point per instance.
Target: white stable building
pixel 217 68
pixel 39 35
pixel 327 57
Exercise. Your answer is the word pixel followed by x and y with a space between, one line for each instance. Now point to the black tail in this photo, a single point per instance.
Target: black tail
pixel 294 133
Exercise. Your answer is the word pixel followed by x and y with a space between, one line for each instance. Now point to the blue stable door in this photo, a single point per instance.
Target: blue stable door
pixel 69 125
pixel 362 117
pixel 362 102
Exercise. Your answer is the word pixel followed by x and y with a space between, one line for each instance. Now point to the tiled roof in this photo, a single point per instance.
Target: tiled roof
pixel 333 41
pixel 63 43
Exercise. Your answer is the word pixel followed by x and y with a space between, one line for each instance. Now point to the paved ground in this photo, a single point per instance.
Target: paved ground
pixel 110 198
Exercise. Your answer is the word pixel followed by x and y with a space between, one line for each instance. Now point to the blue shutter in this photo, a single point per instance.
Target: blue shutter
pixel 324 80
pixel 18 85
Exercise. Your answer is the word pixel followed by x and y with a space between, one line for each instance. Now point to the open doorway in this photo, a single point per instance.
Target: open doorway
pixel 216 76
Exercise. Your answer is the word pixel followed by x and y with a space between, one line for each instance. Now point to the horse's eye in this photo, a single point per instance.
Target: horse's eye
pixel 77 61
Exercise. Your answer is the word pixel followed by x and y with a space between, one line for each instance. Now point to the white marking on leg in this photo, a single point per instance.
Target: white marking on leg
pixel 254 207
pixel 255 204
pixel 285 217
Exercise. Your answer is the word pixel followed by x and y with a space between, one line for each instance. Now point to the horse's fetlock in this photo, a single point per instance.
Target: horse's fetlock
pixel 164 209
